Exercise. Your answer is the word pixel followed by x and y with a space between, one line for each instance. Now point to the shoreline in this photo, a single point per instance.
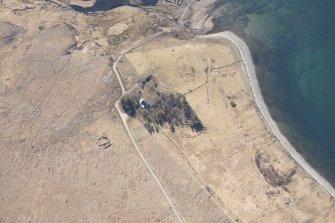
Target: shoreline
pixel 265 114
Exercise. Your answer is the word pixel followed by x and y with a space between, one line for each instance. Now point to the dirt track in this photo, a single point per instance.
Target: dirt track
pixel 124 118
pixel 57 104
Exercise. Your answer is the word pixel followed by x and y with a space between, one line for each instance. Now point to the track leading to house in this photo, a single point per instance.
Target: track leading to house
pixel 124 118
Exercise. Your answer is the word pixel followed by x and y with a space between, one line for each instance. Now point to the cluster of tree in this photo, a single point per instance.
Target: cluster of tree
pixel 129 105
pixel 274 177
pixel 150 82
pixel 171 109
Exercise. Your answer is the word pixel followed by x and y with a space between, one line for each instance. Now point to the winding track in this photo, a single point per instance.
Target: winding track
pixel 124 118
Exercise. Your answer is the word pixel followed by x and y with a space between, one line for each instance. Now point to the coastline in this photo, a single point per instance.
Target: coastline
pixel 265 114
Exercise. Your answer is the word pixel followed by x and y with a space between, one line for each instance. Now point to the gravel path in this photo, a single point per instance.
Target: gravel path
pixel 124 118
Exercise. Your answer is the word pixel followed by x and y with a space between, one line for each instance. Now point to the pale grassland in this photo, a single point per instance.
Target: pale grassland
pixel 223 157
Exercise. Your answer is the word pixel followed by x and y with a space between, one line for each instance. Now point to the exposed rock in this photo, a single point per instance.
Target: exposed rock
pixel 9 32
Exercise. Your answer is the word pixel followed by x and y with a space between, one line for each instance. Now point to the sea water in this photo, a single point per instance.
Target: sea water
pixel 293 45
pixel 106 5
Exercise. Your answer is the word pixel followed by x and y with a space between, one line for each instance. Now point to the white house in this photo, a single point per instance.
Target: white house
pixel 144 103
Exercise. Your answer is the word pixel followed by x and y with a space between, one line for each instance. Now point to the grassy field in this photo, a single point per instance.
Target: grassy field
pixel 237 159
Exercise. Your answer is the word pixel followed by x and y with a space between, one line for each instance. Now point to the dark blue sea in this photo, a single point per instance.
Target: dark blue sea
pixel 293 45
pixel 106 5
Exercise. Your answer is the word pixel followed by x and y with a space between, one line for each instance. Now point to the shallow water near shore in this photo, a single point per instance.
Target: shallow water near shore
pixel 292 42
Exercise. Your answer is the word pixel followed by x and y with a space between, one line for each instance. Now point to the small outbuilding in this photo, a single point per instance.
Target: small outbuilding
pixel 144 103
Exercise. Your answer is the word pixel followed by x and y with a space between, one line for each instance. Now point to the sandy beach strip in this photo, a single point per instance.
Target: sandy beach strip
pixel 270 123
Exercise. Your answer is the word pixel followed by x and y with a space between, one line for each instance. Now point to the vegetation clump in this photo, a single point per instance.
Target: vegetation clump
pixel 129 105
pixel 274 177
pixel 173 110
pixel 166 109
